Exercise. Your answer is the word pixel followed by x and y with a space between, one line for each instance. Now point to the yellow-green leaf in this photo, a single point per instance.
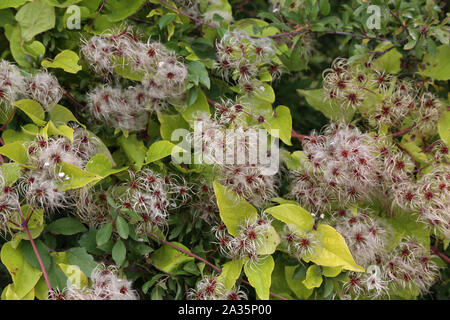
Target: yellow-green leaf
pixel 33 109
pixel 233 209
pixel 331 272
pixel 75 177
pixel 23 274
pixel 160 150
pixel 75 275
pixel 280 125
pixel 260 276
pixel 269 242
pixel 168 259
pixel 292 214
pixel 313 277
pixel 444 127
pixel 296 285
pixel 333 251
pixel 66 60
pixel 230 273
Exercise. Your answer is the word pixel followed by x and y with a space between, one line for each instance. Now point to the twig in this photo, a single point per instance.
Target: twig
pixel 96 16
pixel 205 261
pixel 402 132
pixel 24 225
pixel 9 120
pixel 431 146
pixel 411 157
pixel 440 254
pixel 299 136
pixel 71 98
pixel 378 54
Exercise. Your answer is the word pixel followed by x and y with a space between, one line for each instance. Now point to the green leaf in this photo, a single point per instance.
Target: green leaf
pixel 25 55
pixel 121 9
pixel 62 3
pixel 405 224
pixel 104 234
pixel 41 290
pixel 122 227
pixel 296 285
pixel 66 226
pixel 61 115
pixel 331 111
pixel 34 18
pixel 390 61
pixel 267 94
pixel 12 3
pixel 230 273
pixel 126 70
pixel 28 253
pixel 437 67
pixel 134 149
pixel 160 150
pixel 33 109
pixel 75 177
pixel 313 277
pixel 444 127
pixel 79 257
pixel 15 151
pixel 281 125
pixel 166 19
pixel 269 242
pixel 333 251
pixel 101 165
pixel 24 276
pixel 260 276
pixel 10 172
pixel 170 123
pixel 233 208
pixel 331 272
pixel 74 275
pixel 119 252
pixel 168 259
pixel 198 73
pixel 66 60
pixel 198 109
pixel 50 130
pixel 324 6
pixel 293 214
pixel 35 223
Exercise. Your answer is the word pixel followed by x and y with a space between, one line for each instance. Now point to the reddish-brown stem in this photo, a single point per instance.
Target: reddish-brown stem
pixel 24 225
pixel 402 132
pixel 431 146
pixel 9 120
pixel 71 98
pixel 299 136
pixel 96 16
pixel 205 261
pixel 411 157
pixel 440 254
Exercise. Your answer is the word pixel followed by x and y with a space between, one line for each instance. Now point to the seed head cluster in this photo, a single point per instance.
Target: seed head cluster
pixel 209 288
pixel 14 84
pixel 242 58
pixel 248 241
pixel 105 285
pixel 381 98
